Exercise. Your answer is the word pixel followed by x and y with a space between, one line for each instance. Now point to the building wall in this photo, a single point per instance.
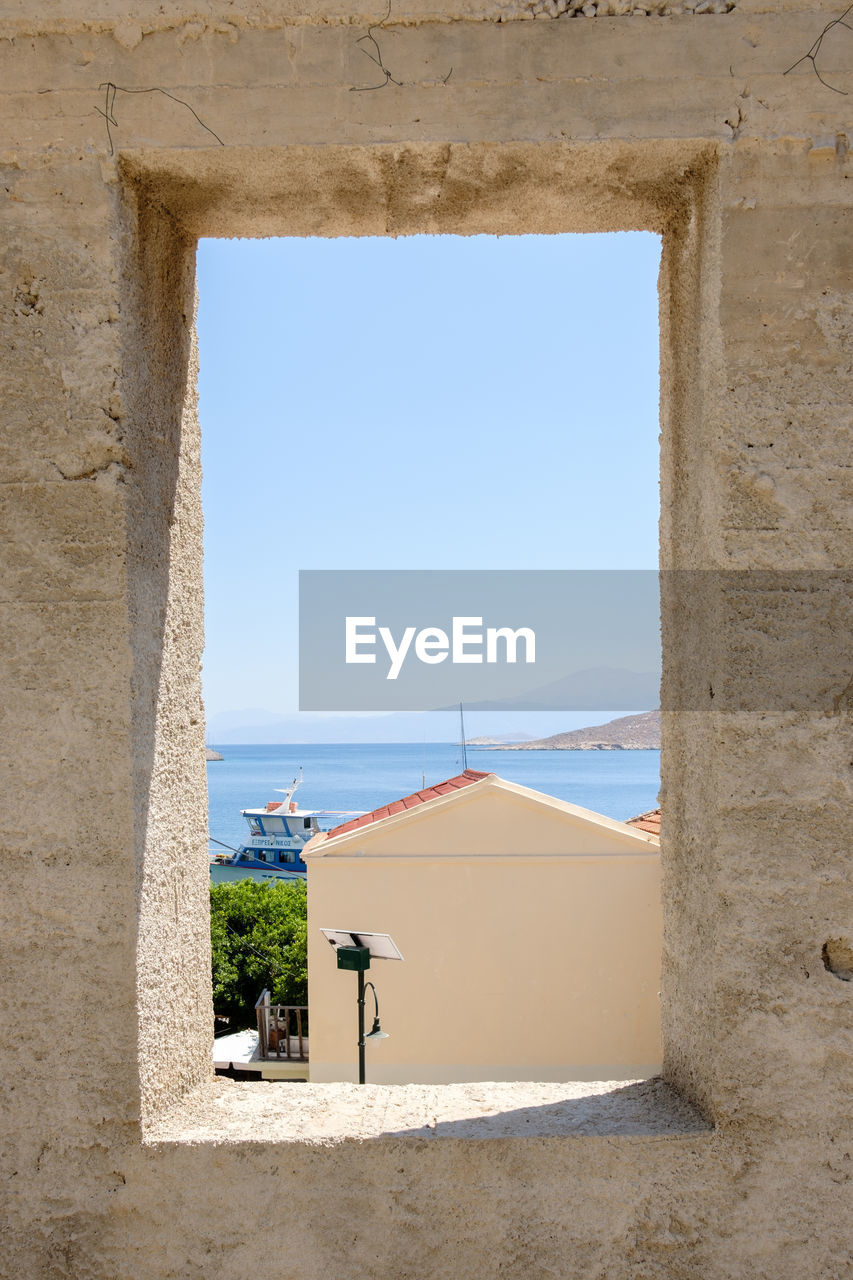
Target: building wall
pixel 539 959
pixel 119 1155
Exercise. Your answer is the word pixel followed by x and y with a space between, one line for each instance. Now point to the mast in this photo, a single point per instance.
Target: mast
pixel 288 791
pixel 462 735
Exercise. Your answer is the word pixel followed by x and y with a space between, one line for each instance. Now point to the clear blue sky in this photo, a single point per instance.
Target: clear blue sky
pixel 429 402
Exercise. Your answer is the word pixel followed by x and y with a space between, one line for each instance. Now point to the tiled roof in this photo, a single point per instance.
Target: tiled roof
pixel 409 802
pixel 647 822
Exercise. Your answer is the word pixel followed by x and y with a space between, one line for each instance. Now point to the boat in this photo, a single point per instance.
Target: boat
pixel 277 835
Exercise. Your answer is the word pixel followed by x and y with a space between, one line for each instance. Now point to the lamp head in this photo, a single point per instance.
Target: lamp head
pixel 376 1032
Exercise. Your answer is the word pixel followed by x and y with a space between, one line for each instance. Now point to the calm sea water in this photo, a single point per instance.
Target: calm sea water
pixel 619 784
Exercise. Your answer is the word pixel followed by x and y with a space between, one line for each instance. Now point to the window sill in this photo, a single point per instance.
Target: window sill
pixel 226 1112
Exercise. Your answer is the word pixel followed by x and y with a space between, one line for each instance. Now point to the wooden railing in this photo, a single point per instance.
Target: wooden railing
pixel 281 1030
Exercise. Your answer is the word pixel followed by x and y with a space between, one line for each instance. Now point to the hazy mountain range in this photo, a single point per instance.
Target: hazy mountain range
pixel 595 689
pixel 258 726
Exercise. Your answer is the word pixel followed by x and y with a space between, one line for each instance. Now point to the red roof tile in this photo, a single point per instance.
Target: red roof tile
pixel 649 822
pixel 409 802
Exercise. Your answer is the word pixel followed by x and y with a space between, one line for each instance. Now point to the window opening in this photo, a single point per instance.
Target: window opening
pixel 503 410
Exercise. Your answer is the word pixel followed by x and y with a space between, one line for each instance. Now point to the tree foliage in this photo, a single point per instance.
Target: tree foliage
pixel 259 938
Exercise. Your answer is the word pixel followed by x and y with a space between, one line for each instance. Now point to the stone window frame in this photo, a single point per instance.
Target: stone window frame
pixel 166 201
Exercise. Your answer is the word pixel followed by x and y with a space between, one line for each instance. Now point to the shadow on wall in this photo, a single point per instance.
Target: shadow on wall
pixel 647 1108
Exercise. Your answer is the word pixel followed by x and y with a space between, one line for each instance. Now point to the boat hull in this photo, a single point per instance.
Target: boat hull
pixel 225 873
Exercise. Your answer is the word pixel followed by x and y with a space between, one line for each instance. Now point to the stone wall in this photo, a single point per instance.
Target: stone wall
pixel 120 1156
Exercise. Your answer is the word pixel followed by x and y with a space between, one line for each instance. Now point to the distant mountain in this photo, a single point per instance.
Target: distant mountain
pixel 596 689
pixel 628 733
pixel 224 728
pixel 222 722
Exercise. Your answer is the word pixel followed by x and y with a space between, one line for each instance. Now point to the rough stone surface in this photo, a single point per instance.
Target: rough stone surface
pixel 119 1157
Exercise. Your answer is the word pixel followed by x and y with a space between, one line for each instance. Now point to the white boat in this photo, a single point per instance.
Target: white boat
pixel 277 835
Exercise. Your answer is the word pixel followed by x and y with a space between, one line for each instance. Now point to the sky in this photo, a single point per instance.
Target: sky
pixel 429 402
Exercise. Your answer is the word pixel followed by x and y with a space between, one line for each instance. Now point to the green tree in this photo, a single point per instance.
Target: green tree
pixel 259 937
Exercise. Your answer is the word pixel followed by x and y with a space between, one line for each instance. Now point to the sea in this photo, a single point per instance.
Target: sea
pixel 353 776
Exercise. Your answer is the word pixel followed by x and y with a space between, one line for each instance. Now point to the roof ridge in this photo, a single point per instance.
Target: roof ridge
pixel 464 779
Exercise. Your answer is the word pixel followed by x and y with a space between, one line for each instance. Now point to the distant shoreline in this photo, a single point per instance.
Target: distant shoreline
pixel 498 746
pixel 512 746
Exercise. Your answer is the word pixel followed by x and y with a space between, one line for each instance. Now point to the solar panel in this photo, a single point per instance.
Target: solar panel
pixel 381 945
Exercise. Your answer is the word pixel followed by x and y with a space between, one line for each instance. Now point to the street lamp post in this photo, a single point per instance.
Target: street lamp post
pixel 357 958
pixel 353 953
